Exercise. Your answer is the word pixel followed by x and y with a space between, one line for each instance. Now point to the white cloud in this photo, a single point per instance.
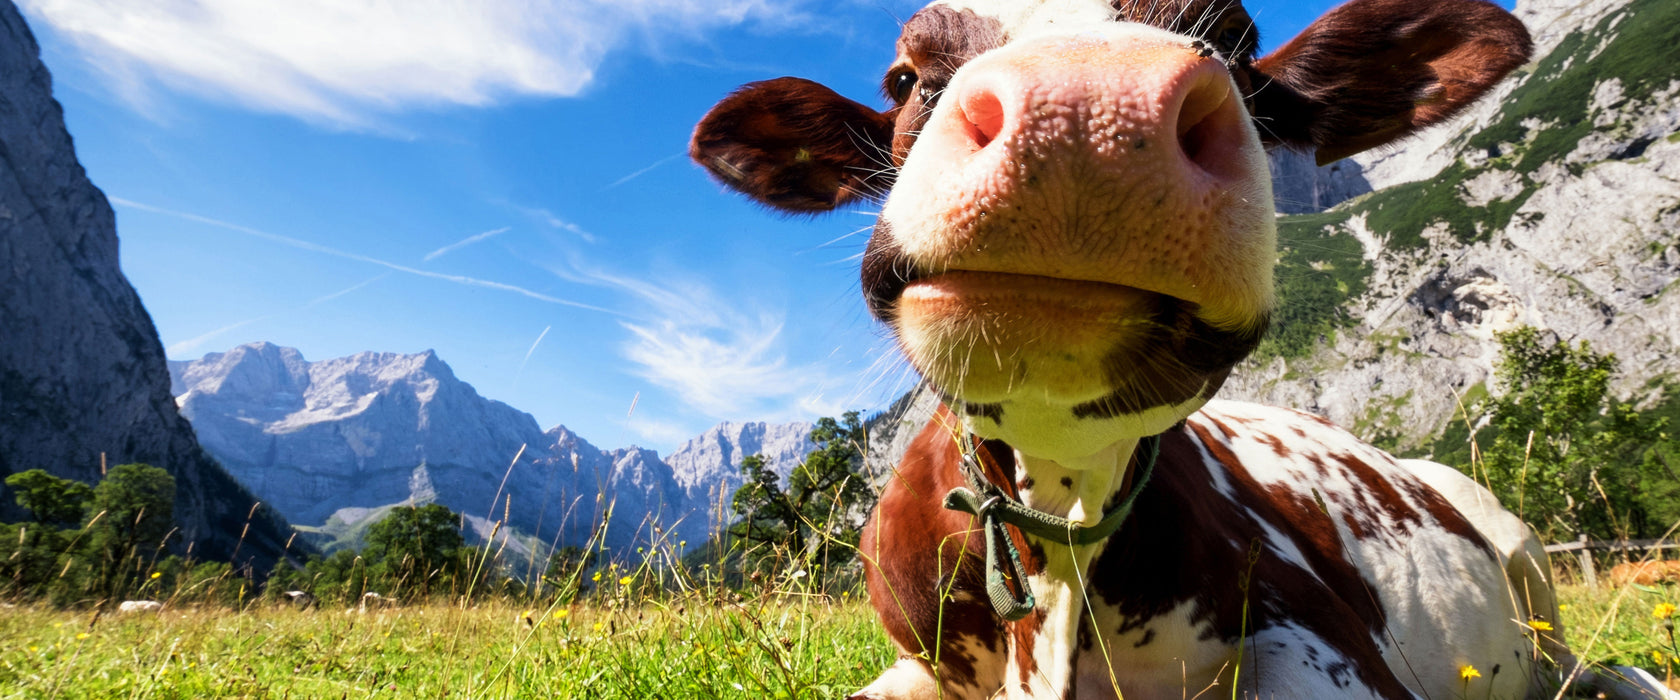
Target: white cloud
pixel 720 361
pixel 343 62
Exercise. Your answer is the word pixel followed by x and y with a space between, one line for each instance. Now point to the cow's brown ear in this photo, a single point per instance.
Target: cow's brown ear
pixel 795 145
pixel 1374 71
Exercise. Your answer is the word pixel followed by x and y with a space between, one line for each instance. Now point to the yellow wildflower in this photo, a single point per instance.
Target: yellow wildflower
pixel 1468 672
pixel 1657 657
pixel 1663 611
pixel 1563 607
pixel 597 627
pixel 625 581
pixel 561 613
pixel 1540 625
pixel 83 635
pixel 596 578
pixel 156 574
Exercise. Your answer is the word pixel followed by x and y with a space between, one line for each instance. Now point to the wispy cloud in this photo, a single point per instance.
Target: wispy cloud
pixel 346 63
pixel 719 360
pixel 547 218
pixel 325 250
pixel 469 240
pixel 195 342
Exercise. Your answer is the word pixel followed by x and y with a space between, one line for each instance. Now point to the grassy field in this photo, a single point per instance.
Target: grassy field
pixel 787 647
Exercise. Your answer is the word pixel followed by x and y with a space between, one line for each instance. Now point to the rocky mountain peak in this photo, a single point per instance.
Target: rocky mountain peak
pixel 82 372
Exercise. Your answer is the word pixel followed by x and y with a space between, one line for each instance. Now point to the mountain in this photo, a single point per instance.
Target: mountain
pixel 82 375
pixel 333 443
pixel 1555 203
pixel 708 467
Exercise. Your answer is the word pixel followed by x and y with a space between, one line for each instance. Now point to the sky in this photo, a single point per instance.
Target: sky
pixel 501 181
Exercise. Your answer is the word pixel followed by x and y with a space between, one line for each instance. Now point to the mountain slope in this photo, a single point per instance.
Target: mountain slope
pixel 1556 206
pixel 81 369
pixel 333 443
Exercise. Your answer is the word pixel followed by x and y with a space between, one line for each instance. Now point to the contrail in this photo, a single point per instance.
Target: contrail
pixel 643 171
pixel 532 351
pixel 464 243
pixel 196 341
pixel 317 248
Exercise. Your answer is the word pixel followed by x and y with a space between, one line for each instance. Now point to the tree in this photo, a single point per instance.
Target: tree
pixel 129 521
pixel 416 546
pixel 814 518
pixel 51 500
pixel 1566 456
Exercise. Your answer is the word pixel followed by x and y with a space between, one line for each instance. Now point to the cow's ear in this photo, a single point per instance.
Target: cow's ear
pixel 1374 71
pixel 795 145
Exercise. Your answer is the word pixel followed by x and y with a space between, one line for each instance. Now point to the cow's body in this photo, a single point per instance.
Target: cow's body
pixel 1383 593
pixel 1075 249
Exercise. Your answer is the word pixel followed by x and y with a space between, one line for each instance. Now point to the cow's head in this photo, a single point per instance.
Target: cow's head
pixel 1077 238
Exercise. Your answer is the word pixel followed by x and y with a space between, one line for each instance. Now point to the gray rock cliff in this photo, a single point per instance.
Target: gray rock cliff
pixel 81 368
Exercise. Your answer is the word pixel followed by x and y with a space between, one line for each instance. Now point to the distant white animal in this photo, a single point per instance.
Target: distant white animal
pixel 301 599
pixel 373 600
pixel 139 606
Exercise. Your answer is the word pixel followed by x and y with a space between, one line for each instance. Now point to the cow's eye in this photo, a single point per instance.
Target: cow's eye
pixel 900 84
pixel 1231 37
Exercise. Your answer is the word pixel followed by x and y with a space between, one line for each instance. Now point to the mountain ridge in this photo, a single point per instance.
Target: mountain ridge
pixel 344 437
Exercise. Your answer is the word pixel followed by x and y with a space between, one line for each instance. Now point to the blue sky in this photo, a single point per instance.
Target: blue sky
pixel 502 181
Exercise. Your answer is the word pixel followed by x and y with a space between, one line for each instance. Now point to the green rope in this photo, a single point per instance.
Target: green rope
pixel 994 508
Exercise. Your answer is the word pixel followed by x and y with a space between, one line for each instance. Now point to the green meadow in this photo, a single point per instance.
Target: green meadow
pixel 700 646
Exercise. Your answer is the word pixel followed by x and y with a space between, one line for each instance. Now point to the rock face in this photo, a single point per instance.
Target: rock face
pixel 1554 204
pixel 331 443
pixel 81 368
pixel 708 467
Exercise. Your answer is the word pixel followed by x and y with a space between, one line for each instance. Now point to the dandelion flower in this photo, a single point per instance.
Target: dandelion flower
pixel 597 627
pixel 1468 672
pixel 1657 657
pixel 561 614
pixel 1540 625
pixel 625 581
pixel 1663 611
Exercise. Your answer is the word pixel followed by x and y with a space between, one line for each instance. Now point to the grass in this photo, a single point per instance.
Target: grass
pixel 772 647
pixel 1616 626
pixel 780 647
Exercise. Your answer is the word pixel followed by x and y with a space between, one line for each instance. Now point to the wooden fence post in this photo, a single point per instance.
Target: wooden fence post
pixel 1587 573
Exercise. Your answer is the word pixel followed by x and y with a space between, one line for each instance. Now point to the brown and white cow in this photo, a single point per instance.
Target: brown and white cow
pixel 1075 246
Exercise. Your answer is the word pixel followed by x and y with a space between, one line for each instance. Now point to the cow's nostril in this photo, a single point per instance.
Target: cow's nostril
pixel 1203 120
pixel 984 113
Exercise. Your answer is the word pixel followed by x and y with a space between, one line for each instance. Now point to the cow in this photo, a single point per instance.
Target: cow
pixel 1074 248
pixel 302 600
pixel 1645 573
pixel 139 606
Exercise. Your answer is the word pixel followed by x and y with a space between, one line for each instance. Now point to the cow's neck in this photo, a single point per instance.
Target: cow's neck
pixel 1078 490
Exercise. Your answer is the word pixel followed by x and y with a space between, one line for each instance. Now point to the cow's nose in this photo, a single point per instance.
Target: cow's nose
pixel 1116 100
